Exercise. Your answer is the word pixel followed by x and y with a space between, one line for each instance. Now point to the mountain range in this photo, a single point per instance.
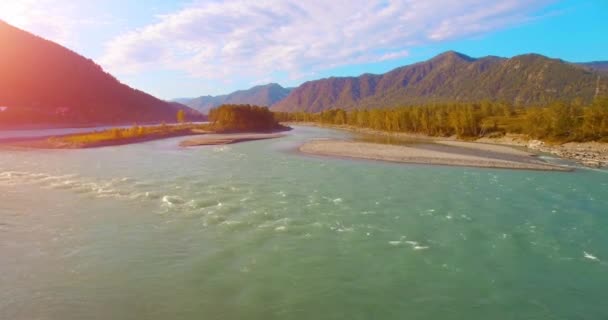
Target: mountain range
pixel 43 83
pixel 523 80
pixel 263 95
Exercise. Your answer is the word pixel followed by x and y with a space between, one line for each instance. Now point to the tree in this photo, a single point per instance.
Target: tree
pixel 558 121
pixel 181 116
pixel 340 117
pixel 243 118
pixel 116 133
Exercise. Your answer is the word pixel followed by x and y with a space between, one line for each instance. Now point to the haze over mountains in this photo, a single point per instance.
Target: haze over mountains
pixel 43 83
pixel 596 65
pixel 263 95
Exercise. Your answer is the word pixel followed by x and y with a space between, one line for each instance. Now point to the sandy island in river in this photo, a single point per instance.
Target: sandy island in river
pixel 200 138
pixel 451 153
pixel 216 139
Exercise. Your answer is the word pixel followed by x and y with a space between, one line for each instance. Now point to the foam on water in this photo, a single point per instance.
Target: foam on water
pixel 231 222
pixel 171 200
pixel 282 222
pixel 126 188
pixel 123 188
pixel 221 148
pixel 420 247
pixel 590 256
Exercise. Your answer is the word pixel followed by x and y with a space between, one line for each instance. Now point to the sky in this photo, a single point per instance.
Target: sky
pixel 176 49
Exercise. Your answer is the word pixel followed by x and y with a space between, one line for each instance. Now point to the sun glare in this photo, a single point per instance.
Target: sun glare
pixel 15 13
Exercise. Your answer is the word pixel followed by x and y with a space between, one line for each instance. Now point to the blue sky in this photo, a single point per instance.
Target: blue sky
pixel 191 48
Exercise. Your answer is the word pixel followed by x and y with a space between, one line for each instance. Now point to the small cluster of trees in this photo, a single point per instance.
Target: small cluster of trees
pixel 232 117
pixel 127 133
pixel 558 121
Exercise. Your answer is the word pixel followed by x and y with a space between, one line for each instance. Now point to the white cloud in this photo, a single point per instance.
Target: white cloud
pixel 255 39
pixel 393 55
pixel 36 17
pixel 480 19
pixel 61 21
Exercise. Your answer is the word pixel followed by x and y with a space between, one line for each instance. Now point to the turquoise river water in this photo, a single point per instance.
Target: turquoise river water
pixel 258 231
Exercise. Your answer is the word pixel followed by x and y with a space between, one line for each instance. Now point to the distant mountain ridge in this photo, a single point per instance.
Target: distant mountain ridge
pixel 596 65
pixel 524 80
pixel 42 82
pixel 263 95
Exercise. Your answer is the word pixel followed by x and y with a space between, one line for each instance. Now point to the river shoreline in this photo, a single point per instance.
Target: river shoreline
pixel 203 137
pixel 52 142
pixel 213 139
pixel 589 154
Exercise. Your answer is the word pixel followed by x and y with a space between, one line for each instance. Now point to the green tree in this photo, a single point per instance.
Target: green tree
pixel 243 118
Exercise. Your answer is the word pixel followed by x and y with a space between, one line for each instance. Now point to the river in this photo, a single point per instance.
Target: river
pixel 258 231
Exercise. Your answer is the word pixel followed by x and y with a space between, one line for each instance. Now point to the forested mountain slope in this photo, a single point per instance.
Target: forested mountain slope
pixel 523 80
pixel 42 83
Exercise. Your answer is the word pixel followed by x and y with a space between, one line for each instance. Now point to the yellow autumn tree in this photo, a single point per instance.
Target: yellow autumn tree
pixel 181 116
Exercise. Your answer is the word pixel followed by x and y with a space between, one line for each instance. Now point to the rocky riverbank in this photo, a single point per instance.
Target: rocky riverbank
pixel 470 155
pixel 589 154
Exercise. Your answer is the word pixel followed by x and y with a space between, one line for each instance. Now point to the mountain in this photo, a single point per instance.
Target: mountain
pixel 264 95
pixel 596 65
pixel 524 80
pixel 204 103
pixel 43 83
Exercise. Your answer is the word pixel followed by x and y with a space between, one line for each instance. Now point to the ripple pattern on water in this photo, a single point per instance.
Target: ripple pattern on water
pixel 257 231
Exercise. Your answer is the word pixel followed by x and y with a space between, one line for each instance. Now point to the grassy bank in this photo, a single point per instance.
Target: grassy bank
pixel 119 136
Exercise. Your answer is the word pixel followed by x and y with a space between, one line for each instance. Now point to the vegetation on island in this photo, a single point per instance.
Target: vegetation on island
pixel 117 136
pixel 227 118
pixel 558 122
pixel 243 118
